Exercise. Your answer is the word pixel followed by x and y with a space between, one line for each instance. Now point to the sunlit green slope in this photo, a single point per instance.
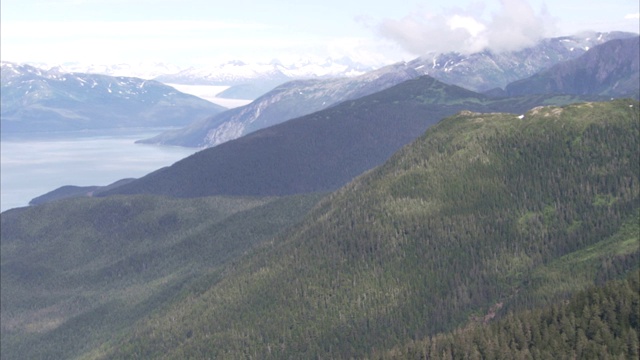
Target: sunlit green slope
pixel 484 209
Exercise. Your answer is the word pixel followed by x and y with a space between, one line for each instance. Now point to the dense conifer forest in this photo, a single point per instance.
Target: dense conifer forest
pixel 492 235
pixel 600 322
pixel 484 214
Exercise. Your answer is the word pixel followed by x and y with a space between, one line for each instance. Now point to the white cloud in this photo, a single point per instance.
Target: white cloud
pixel 473 26
pixel 134 41
pixel 635 16
pixel 514 26
pixel 182 43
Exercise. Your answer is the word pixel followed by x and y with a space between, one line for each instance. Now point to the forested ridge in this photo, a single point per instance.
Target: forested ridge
pixel 484 214
pixel 323 151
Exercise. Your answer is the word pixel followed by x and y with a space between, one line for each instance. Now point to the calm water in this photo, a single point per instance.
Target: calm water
pixel 33 166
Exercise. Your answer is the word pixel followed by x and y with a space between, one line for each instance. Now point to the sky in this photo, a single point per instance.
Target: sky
pixel 372 32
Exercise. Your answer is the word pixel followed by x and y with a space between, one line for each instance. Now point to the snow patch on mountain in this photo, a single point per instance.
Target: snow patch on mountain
pixel 238 72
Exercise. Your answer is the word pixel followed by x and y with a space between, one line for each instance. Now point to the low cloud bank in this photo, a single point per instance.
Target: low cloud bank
pixel 514 26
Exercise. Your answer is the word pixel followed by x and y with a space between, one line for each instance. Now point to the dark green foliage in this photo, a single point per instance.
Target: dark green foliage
pixel 597 323
pixel 484 214
pixel 76 273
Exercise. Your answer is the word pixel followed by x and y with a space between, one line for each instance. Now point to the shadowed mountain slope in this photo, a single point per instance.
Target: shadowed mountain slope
pixel 324 150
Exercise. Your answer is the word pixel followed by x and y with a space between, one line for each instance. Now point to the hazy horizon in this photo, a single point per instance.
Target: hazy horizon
pixel 195 33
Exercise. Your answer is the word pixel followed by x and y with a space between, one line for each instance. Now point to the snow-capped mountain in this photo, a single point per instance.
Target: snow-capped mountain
pixel 37 100
pixel 246 80
pixel 229 73
pixel 479 72
pixel 611 69
pixel 237 72
pixel 147 71
pixel 487 70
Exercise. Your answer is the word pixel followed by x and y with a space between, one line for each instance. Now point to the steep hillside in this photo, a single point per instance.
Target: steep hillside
pixel 35 100
pixel 324 150
pixel 77 273
pixel 611 69
pixel 484 213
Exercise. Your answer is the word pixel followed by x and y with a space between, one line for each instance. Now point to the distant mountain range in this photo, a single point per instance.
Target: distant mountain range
pixel 481 71
pixel 478 71
pixel 44 100
pixel 238 72
pixel 246 80
pixel 488 70
pixel 36 100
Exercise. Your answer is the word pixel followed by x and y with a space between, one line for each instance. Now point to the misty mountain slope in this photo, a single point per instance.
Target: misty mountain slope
pixel 35 100
pixel 610 69
pixel 484 209
pixel 488 70
pixel 324 150
pixel 287 101
pixel 77 273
